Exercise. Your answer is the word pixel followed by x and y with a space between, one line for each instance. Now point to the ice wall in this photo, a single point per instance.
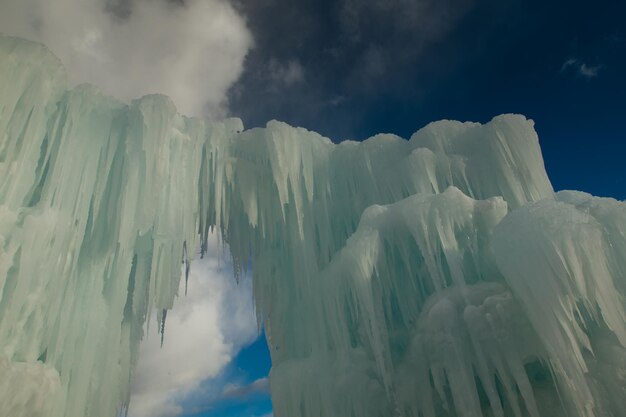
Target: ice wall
pixel 98 201
pixel 439 276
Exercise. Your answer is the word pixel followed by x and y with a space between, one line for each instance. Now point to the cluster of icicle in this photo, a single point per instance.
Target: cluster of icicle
pixel 439 276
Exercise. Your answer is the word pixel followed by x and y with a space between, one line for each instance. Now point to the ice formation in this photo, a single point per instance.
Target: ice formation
pixel 436 276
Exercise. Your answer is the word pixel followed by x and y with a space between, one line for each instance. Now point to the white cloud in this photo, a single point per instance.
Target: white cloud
pixel 581 68
pixel 191 52
pixel 588 71
pixel 289 73
pixel 261 385
pixel 203 332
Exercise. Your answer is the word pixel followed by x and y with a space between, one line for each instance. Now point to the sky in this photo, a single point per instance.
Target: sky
pixel 348 69
pixel 362 67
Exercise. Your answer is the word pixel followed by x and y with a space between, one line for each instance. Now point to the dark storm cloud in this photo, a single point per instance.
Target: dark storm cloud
pixel 347 52
pixel 373 65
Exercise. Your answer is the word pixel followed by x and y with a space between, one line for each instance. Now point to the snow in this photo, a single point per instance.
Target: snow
pixel 436 276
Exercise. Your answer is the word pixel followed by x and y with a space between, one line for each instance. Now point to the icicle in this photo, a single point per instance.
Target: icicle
pixel 162 325
pixel 187 265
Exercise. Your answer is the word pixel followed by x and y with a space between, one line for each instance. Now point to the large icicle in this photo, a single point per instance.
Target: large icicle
pixel 439 276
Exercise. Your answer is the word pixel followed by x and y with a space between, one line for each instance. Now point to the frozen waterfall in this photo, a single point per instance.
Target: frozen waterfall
pixel 436 276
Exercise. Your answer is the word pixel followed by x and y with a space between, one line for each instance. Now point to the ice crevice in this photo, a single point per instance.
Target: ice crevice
pixel 435 276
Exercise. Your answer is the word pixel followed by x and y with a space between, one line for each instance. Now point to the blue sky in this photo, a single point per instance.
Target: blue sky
pixel 348 69
pixel 250 397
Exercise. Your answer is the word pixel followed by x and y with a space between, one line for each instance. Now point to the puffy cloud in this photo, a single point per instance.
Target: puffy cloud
pixel 203 332
pixel 192 51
